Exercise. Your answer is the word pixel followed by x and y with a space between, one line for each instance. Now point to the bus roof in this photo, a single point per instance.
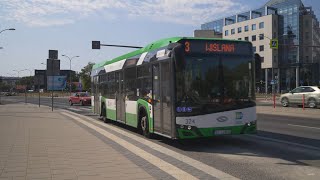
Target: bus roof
pixel 155 45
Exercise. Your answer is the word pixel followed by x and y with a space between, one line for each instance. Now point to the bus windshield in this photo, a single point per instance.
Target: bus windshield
pixel 213 83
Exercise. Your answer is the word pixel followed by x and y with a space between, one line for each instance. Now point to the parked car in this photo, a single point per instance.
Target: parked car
pixel 80 98
pixel 311 96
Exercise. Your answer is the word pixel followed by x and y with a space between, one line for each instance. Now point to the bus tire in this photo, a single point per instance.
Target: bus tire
pixel 144 123
pixel 103 113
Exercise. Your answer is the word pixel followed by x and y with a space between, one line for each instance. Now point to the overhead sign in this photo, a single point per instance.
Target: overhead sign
pixel 274 43
pixel 95 44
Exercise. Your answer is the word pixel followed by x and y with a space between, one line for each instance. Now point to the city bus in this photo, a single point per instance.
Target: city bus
pixel 180 88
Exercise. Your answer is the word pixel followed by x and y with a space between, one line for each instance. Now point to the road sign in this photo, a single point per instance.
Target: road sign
pixel 274 43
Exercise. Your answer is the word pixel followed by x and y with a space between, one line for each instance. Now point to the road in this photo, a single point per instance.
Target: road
pixel 285 147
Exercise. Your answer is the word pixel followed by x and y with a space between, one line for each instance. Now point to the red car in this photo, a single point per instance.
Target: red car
pixel 80 98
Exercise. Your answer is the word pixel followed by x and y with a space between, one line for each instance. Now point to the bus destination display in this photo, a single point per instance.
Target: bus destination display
pixel 217 47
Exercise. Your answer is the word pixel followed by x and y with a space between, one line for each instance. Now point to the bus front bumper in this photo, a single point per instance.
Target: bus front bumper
pixel 190 132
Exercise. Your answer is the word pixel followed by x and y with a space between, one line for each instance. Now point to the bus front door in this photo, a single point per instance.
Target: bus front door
pixel 162 100
pixel 120 97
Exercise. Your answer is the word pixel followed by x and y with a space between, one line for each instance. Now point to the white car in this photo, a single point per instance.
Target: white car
pixel 311 96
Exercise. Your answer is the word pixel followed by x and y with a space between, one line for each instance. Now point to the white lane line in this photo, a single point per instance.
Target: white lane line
pixel 303 126
pixel 85 109
pixel 163 165
pixel 284 142
pixel 74 109
pixel 191 162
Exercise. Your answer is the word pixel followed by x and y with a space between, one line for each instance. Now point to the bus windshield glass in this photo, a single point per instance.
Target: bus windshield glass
pixel 213 83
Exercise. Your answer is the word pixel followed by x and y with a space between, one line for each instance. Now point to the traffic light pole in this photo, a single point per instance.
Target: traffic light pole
pixel 97 45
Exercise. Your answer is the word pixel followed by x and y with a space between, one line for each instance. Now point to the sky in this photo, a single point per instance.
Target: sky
pixel 69 26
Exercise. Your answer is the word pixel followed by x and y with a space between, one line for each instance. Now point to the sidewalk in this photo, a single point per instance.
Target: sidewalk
pixel 36 143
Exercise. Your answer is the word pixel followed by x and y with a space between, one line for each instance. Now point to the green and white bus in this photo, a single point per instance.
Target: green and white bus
pixel 180 88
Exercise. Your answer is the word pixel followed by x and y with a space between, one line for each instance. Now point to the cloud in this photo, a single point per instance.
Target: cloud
pixel 61 12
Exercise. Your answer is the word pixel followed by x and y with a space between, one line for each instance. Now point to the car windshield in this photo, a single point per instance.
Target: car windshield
pixel 83 95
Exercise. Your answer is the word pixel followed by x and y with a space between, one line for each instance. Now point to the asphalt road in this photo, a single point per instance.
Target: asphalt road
pixel 285 147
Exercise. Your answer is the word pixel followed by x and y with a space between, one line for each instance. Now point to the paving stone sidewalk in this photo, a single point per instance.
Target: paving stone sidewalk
pixel 36 143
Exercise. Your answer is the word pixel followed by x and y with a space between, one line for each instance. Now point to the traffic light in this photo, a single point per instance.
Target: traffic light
pixel 274 43
pixel 95 44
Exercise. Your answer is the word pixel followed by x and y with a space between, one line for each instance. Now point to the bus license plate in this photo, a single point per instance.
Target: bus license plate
pixel 222 132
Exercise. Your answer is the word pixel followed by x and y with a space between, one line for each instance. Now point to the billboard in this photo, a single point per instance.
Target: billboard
pixel 56 83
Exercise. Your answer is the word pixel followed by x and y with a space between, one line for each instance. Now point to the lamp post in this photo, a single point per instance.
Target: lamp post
pixel 18 71
pixel 70 59
pixel 10 29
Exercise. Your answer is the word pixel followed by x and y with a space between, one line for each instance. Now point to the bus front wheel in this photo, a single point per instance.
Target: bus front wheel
pixel 144 124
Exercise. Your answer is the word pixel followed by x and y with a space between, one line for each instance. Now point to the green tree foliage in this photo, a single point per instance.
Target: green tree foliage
pixel 85 76
pixel 29 81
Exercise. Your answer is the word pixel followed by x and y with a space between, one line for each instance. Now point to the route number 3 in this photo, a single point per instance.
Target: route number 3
pixel 187 46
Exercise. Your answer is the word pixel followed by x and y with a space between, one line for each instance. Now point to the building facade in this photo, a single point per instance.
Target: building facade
pixel 296 61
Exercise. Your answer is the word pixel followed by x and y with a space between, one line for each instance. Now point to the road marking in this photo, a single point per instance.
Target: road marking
pixel 85 109
pixel 284 142
pixel 191 162
pixel 74 109
pixel 303 126
pixel 161 164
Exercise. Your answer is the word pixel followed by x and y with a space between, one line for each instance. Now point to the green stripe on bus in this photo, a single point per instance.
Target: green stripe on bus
pixel 111 114
pixel 209 132
pixel 131 119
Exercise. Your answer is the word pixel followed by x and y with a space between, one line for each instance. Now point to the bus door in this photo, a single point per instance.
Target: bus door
pixel 162 99
pixel 96 95
pixel 120 97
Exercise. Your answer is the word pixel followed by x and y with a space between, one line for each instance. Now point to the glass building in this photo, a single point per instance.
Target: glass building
pixel 298 33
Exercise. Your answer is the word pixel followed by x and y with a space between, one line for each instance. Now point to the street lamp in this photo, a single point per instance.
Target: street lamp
pixel 70 59
pixel 10 29
pixel 18 71
pixel 29 71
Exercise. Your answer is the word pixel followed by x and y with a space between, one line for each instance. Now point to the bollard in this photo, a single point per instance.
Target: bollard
pixel 303 101
pixel 274 101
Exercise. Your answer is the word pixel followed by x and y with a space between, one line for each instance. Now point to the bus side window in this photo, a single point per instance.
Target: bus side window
pixel 144 81
pixel 130 83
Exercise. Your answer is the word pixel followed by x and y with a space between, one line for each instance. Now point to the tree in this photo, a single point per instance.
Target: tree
pixel 28 81
pixel 85 76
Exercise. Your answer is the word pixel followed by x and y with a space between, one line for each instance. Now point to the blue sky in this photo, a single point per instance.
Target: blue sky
pixel 69 26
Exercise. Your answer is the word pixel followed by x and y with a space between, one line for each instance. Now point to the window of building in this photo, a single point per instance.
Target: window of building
pixel 306 23
pixel 261 25
pixel 254 38
pixel 246 28
pixel 307 58
pixel 262 59
pixel 233 31
pixel 261 48
pixel 307 35
pixel 274 35
pixel 254 27
pixel 261 36
pixel 226 32
pixel 239 39
pixel 254 49
pixel 246 38
pixel 239 29
pixel 275 59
